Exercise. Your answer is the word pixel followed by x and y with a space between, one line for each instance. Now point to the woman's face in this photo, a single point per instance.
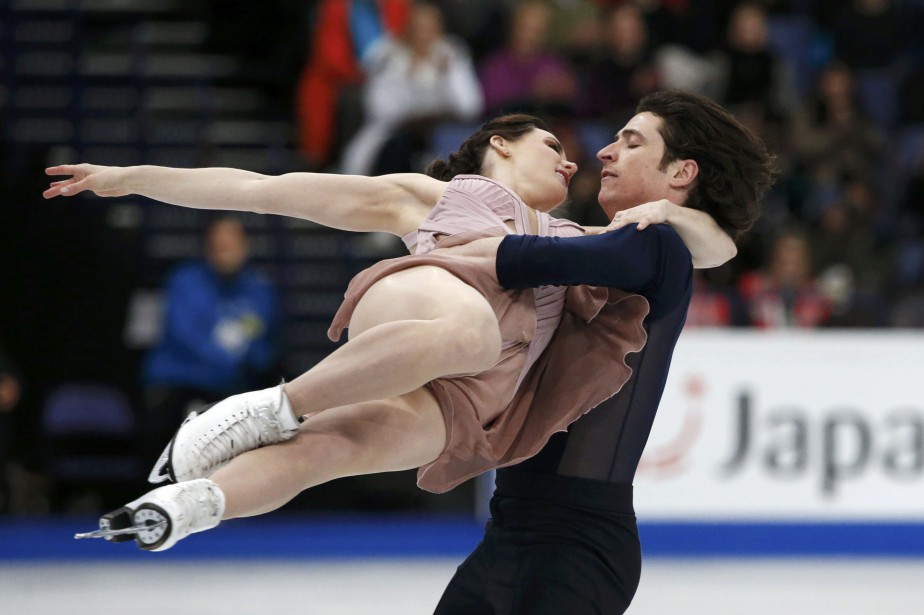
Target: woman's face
pixel 541 169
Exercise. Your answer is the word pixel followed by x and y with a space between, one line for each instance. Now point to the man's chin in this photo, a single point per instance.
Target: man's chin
pixel 610 209
pixel 610 203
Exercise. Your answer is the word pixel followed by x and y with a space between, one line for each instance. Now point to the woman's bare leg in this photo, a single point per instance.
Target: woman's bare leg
pixel 366 438
pixel 409 328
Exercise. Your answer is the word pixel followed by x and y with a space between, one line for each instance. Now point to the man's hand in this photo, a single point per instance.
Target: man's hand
pixel 103 181
pixel 655 212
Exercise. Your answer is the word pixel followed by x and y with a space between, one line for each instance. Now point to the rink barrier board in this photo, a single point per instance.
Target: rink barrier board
pixel 288 538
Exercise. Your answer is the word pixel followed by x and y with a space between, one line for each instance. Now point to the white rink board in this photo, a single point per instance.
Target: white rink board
pixel 788 426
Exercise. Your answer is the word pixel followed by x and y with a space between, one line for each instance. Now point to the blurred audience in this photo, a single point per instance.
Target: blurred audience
pixel 871 37
pixel 527 74
pixel 846 234
pixel 625 70
pixel 219 335
pixel 412 84
pixel 687 36
pixel 753 74
pixel 833 138
pixel 342 30
pixel 785 293
pixel 585 63
pixel 715 303
pixel 479 23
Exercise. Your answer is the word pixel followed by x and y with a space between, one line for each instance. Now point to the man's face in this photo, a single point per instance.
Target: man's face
pixel 631 174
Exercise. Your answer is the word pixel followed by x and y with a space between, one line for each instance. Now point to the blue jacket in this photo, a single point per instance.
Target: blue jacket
pixel 218 332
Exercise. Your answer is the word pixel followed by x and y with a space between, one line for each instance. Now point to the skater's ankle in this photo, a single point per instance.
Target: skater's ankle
pixel 286 412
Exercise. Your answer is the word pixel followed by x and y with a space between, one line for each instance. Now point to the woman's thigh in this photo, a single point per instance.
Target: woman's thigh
pixel 421 293
pixel 387 435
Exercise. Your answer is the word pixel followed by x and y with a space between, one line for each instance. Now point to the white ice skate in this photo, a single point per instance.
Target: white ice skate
pixel 157 520
pixel 210 439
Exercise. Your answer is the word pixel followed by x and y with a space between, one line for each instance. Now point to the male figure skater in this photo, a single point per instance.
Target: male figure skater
pixel 562 536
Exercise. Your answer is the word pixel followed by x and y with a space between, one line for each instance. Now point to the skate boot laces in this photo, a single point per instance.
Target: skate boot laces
pixel 250 427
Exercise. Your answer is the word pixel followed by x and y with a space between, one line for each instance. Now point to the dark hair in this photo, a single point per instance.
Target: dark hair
pixel 469 158
pixel 735 169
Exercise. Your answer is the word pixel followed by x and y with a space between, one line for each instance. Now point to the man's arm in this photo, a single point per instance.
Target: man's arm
pixel 395 204
pixel 655 263
pixel 709 245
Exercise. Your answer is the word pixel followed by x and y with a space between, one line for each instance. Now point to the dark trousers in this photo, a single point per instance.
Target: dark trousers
pixel 554 545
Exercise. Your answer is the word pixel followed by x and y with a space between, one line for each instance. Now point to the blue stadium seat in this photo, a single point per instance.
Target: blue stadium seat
pixel 88 440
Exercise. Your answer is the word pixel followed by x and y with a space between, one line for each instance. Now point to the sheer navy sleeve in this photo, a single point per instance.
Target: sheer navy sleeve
pixel 654 262
pixel 607 443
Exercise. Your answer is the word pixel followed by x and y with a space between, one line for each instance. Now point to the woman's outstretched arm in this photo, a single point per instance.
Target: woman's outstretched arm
pixel 709 245
pixel 395 204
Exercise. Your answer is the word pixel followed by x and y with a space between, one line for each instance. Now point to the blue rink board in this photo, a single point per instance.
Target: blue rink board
pixel 294 537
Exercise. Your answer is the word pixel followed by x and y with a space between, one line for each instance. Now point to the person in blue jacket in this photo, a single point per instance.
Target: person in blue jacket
pixel 218 336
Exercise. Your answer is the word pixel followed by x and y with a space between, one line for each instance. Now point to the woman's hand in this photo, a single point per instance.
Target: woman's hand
pixel 103 181
pixel 709 245
pixel 654 212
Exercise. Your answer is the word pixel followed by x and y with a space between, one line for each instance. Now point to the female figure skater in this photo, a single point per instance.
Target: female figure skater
pixel 430 377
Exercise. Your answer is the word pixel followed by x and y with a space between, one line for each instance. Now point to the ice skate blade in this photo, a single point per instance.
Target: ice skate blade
pixel 121 532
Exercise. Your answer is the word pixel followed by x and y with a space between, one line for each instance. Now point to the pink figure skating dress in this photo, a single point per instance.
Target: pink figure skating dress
pixel 567 344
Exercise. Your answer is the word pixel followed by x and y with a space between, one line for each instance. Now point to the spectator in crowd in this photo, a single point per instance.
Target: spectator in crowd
pixel 715 303
pixel 573 23
pixel 579 37
pixel 691 24
pixel 219 334
pixel 871 38
pixel 847 235
pixel 342 31
pixel 833 138
pixel 849 257
pixel 480 23
pixel 686 35
pixel 785 294
pixel 866 34
pixel 412 84
pixel 626 71
pixel 753 73
pixel 526 74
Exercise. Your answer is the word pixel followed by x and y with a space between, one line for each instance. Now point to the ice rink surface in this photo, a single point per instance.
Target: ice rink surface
pixel 411 586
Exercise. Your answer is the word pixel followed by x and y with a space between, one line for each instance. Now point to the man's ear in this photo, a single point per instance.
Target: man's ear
pixel 684 172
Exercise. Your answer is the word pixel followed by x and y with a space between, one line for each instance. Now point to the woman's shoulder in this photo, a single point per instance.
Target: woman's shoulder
pixel 483 185
pixel 562 227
